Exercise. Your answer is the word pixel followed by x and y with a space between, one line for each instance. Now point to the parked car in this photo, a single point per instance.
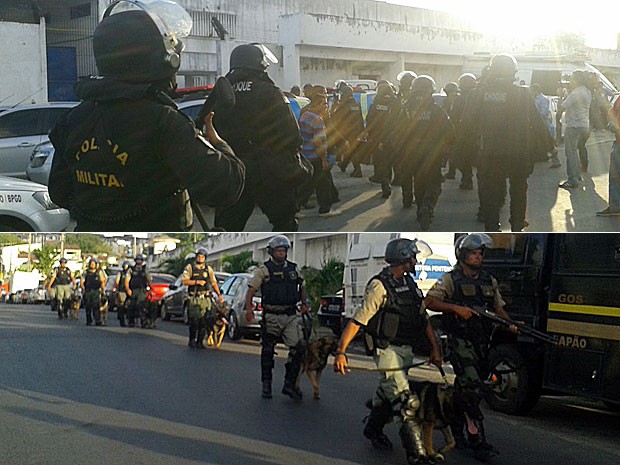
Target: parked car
pixel 38 296
pixel 175 301
pixel 21 129
pixel 26 206
pixel 331 312
pixel 40 165
pixel 234 291
pixel 159 286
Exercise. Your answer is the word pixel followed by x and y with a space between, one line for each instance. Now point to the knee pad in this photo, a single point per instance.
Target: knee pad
pixel 409 406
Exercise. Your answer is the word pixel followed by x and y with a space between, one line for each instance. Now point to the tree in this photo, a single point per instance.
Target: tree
pixel 239 263
pixel 175 266
pixel 9 239
pixel 327 280
pixel 46 256
pixel 88 243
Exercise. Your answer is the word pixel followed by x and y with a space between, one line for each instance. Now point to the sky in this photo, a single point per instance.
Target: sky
pixel 598 20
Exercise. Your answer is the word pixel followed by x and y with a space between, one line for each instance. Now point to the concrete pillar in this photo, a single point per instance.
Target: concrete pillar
pixel 291 65
pixel 396 67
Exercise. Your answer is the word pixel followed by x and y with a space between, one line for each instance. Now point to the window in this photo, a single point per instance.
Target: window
pixel 226 286
pixel 52 117
pixel 507 248
pixel 234 289
pixel 588 253
pixel 20 124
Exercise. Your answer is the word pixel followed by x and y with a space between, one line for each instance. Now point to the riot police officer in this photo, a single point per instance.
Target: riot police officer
pixel 348 127
pixel 468 285
pixel 428 134
pixel 126 158
pixel 405 80
pixel 379 132
pixel 282 290
pixel 63 282
pixel 393 316
pixel 264 133
pixel 502 125
pixel 137 283
pixel 201 283
pixel 93 286
pixel 120 294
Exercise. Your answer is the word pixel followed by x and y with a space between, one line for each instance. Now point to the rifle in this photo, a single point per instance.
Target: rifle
pixel 522 327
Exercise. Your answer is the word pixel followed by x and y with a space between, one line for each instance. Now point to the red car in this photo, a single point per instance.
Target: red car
pixel 159 286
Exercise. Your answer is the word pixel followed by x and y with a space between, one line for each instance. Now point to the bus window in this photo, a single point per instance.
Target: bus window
pixel 579 253
pixel 507 248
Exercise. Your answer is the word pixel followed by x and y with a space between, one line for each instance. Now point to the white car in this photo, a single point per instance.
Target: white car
pixel 26 206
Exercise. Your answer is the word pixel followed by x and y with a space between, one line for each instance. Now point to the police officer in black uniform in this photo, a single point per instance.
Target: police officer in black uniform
pixel 429 133
pixel 463 161
pixel 264 133
pixel 394 317
pixel 126 158
pixel 281 292
pixel 120 294
pixel 137 284
pixel 501 122
pixel 456 295
pixel 379 133
pixel 348 126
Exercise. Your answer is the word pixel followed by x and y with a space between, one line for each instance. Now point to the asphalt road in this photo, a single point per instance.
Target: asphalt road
pixel 71 394
pixel 550 209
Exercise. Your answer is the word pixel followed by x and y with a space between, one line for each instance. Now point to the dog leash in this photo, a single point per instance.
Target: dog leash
pixel 385 370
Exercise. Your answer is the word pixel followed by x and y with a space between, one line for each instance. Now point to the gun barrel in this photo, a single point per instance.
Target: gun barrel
pixel 522 327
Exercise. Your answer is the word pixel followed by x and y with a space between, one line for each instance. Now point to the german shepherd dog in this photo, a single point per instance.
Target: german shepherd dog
pixel 315 360
pixel 73 306
pixel 216 326
pixel 103 310
pixel 437 410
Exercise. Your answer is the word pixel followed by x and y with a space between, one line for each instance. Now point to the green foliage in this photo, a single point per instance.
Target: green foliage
pixel 188 239
pixel 46 256
pixel 239 263
pixel 88 243
pixel 175 266
pixel 9 239
pixel 326 281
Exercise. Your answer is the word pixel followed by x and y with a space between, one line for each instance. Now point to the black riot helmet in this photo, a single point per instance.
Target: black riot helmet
pixel 401 251
pixel 469 242
pixel 503 66
pixel 202 251
pixel 126 264
pixel 451 88
pixel 63 260
pixel 252 56
pixel 385 89
pixel 467 82
pixel 140 41
pixel 139 257
pixel 278 241
pixel 405 78
pixel 423 84
pixel 93 260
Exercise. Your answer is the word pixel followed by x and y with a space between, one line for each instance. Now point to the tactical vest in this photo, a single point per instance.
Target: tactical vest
pixel 283 286
pixel 138 278
pixel 121 281
pixel 92 280
pixel 63 276
pixel 199 274
pixel 398 321
pixel 471 292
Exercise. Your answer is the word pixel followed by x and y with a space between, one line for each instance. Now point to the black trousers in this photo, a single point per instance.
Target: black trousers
pixel 492 193
pixel 277 201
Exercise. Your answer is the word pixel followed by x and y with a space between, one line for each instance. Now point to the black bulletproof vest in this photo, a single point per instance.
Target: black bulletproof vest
pixel 138 278
pixel 399 320
pixel 63 276
pixel 380 115
pixel 283 286
pixel 471 292
pixel 121 281
pixel 92 280
pixel 200 274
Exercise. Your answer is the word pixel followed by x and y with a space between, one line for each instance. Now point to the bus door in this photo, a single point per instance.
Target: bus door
pixel 584 311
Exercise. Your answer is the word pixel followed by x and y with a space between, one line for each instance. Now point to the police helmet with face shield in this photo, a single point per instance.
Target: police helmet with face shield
pixel 467 81
pixel 93 260
pixel 140 40
pixel 405 78
pixel 503 66
pixel 469 242
pixel 278 241
pixel 139 257
pixel 62 260
pixel 400 251
pixel 252 56
pixel 423 84
pixel 126 264
pixel 202 251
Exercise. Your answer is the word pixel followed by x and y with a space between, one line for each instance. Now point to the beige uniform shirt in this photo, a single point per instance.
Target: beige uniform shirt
pixel 187 273
pixel 444 290
pixel 375 296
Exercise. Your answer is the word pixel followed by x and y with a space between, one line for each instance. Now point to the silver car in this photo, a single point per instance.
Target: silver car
pixel 40 166
pixel 234 291
pixel 21 129
pixel 26 206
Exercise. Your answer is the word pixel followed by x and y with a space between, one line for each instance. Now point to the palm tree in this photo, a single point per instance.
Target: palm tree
pixel 239 263
pixel 327 280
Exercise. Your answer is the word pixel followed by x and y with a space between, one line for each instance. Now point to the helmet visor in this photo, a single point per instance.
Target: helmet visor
pixel 422 249
pixel 476 241
pixel 268 57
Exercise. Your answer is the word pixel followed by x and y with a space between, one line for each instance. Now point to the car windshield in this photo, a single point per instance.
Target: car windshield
pixel 163 279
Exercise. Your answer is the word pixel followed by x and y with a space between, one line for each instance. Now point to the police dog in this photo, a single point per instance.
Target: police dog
pixel 103 310
pixel 315 360
pixel 437 411
pixel 74 307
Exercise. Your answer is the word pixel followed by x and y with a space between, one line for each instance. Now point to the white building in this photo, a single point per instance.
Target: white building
pixel 317 41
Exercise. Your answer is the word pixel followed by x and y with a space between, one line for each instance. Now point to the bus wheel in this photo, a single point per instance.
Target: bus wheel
pixel 512 387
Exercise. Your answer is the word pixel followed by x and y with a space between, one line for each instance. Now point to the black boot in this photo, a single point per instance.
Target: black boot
pixel 379 416
pixel 192 337
pixel 411 438
pixel 200 342
pixel 266 392
pixel 483 451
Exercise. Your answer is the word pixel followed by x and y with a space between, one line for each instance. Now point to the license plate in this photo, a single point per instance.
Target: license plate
pixel 335 308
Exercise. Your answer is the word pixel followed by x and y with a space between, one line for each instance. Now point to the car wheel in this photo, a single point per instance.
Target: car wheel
pixel 164 312
pixel 234 332
pixel 10 224
pixel 186 313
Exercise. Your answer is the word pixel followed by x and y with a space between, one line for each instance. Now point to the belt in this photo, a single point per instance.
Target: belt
pixel 280 309
pixel 200 294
